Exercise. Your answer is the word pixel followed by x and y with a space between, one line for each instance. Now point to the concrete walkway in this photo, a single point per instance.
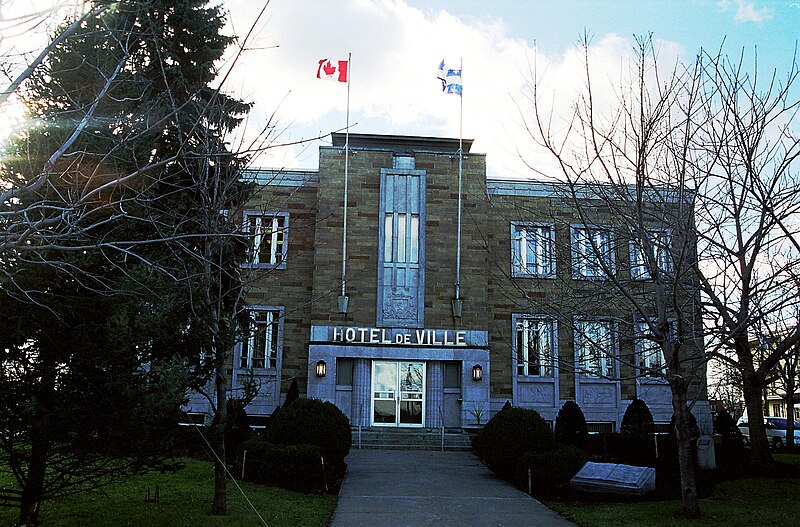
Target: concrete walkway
pixel 394 488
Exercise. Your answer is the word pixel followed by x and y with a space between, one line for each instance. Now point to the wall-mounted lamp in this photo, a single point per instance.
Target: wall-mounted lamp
pixel 322 368
pixel 477 373
pixel 458 306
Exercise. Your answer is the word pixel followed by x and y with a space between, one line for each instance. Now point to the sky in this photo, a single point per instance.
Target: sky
pixel 396 46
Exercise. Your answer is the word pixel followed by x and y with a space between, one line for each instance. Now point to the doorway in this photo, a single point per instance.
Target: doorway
pixel 398 393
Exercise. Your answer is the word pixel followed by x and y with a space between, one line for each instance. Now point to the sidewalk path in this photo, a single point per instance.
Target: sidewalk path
pixel 394 488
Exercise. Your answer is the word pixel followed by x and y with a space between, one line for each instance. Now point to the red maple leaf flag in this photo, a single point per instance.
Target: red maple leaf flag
pixel 335 70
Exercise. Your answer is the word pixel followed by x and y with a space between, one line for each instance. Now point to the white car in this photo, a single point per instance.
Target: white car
pixel 776 431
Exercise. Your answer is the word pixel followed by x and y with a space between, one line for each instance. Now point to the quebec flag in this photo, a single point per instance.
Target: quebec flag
pixel 451 79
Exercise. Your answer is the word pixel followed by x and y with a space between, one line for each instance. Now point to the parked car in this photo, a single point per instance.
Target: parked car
pixel 776 431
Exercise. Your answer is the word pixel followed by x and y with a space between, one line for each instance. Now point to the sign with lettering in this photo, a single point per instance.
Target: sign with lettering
pixel 399 337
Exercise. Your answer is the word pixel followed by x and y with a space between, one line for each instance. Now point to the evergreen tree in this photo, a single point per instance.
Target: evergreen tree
pixel 127 175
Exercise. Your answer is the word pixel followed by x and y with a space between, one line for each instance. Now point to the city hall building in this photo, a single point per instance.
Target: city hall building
pixel 411 297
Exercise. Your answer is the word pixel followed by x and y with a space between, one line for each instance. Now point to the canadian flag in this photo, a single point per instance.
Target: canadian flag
pixel 335 70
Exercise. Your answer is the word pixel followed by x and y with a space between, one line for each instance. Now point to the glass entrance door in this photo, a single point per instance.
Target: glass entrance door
pixel 398 393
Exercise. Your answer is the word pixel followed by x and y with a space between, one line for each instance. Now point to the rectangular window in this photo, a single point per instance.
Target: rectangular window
pixel 260 345
pixel 657 252
pixel 532 250
pixel 594 345
pixel 344 371
pixel 452 374
pixel 534 345
pixel 267 238
pixel 777 410
pixel 651 356
pixel 592 252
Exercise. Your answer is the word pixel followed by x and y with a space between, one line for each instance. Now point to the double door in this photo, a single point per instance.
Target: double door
pixel 398 393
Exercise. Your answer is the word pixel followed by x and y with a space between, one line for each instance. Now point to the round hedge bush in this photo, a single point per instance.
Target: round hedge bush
pixel 313 422
pixel 508 435
pixel 571 426
pixel 637 420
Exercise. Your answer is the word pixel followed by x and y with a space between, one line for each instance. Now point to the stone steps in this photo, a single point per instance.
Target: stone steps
pixel 411 439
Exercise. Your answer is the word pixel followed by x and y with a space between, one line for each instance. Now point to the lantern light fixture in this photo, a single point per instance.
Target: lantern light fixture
pixel 322 368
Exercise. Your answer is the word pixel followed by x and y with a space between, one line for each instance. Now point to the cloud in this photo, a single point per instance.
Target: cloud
pixel 747 11
pixel 395 52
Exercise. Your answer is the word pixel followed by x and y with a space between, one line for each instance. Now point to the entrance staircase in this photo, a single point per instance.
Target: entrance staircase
pixel 411 439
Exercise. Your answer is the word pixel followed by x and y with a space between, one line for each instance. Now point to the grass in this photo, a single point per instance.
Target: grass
pixel 739 502
pixel 185 499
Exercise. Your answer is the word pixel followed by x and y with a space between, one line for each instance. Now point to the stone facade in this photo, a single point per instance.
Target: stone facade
pixel 445 352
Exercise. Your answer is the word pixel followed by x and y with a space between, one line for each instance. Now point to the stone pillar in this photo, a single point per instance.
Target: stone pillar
pixel 434 394
pixel 362 391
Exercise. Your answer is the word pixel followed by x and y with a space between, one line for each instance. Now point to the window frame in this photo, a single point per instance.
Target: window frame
pixel 519 264
pixel 246 359
pixel 522 357
pixel 254 239
pixel 607 361
pixel 643 367
pixel 584 256
pixel 663 255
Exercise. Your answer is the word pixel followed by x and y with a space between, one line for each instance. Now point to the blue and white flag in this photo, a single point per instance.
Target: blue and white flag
pixel 451 79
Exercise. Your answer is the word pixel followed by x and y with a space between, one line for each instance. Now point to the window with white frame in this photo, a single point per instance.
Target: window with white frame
pixel 535 341
pixel 595 347
pixel 657 252
pixel 532 250
pixel 267 238
pixel 649 352
pixel 592 249
pixel 261 343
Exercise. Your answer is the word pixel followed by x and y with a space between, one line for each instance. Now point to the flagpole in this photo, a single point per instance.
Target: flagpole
pixel 346 170
pixel 460 158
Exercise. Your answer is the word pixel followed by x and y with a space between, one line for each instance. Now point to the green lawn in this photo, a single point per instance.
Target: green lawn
pixel 185 499
pixel 751 501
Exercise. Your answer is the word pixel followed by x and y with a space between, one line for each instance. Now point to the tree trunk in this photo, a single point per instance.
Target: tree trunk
pixel 760 455
pixel 34 483
pixel 683 431
pixel 33 487
pixel 790 388
pixel 220 504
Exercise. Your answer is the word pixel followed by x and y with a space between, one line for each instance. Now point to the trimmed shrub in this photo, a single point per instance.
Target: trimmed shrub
pixel 550 471
pixel 571 426
pixel 313 422
pixel 508 435
pixel 237 430
pixel 293 394
pixel 638 420
pixel 730 448
pixel 292 467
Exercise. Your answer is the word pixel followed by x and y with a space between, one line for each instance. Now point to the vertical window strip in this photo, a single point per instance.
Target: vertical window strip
pixel 388 237
pixel 414 257
pixel 402 233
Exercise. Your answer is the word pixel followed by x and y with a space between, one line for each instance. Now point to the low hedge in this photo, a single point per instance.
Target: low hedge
pixel 292 467
pixel 550 471
pixel 313 422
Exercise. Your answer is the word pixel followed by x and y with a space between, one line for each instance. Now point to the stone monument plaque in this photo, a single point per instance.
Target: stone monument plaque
pixel 613 478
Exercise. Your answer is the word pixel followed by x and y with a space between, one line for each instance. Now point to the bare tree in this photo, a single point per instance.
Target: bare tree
pixel 743 164
pixel 635 236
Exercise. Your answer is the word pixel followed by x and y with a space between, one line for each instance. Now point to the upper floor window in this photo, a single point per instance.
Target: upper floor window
pixel 401 237
pixel 648 351
pixel 535 338
pixel 595 347
pixel 261 342
pixel 267 238
pixel 592 252
pixel 532 250
pixel 656 253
